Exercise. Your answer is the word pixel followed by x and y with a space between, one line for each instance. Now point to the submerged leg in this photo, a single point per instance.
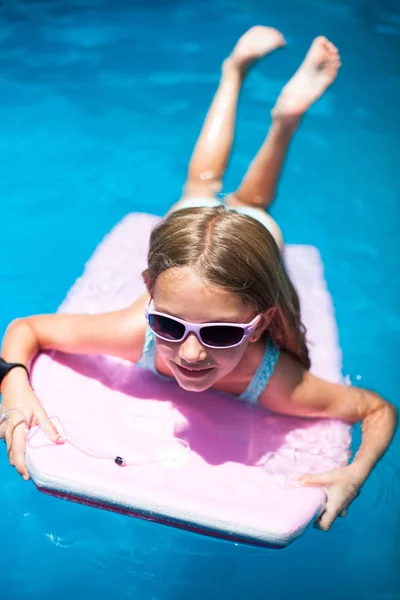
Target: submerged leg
pixel 211 153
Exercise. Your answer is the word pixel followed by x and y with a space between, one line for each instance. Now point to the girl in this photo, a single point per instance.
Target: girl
pixel 219 311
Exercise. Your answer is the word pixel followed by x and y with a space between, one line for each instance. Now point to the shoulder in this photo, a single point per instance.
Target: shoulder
pixel 130 328
pixel 293 390
pixel 288 374
pixel 121 333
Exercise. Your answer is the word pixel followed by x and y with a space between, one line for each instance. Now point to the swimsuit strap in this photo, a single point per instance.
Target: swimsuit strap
pixel 148 358
pixel 253 390
pixel 262 375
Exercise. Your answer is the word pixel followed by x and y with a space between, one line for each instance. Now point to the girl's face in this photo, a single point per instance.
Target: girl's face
pixel 181 293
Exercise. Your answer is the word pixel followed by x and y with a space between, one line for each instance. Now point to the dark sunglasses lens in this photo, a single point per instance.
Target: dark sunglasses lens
pixel 221 335
pixel 167 328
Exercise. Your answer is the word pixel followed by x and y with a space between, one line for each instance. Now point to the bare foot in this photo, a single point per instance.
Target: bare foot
pixel 317 72
pixel 253 45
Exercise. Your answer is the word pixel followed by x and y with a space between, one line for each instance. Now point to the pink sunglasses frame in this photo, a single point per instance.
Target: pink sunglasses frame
pixel 196 328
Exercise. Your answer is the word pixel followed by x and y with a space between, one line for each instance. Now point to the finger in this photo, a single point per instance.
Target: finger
pixel 317 480
pixel 343 513
pixel 325 521
pixel 331 511
pixel 3 424
pixel 8 438
pixel 18 450
pixel 40 418
pixel 15 439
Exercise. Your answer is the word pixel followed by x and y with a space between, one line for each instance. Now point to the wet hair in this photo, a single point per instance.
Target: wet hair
pixel 239 254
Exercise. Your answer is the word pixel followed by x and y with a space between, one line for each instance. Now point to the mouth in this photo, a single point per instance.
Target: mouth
pixel 192 372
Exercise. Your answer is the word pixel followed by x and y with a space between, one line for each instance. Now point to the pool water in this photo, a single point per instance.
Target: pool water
pixel 102 101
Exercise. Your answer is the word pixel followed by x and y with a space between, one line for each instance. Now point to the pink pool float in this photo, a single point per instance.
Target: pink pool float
pixel 140 445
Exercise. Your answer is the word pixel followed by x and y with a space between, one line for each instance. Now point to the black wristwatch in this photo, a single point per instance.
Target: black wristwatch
pixel 6 367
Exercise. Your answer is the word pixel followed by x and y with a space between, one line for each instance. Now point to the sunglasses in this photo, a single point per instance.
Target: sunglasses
pixel 211 335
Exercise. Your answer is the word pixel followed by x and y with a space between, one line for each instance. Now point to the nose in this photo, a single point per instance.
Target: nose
pixel 191 351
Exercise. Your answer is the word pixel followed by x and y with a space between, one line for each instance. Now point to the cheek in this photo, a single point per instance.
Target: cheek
pixel 229 358
pixel 167 350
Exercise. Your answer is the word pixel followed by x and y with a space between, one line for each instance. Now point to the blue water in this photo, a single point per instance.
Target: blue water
pixel 101 102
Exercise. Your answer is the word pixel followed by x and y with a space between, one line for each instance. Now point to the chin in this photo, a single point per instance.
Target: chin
pixel 194 386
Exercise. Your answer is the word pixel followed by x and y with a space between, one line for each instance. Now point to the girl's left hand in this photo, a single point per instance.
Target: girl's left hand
pixel 341 486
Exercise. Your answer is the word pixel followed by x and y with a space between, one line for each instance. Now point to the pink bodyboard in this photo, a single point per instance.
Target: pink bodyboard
pixel 205 462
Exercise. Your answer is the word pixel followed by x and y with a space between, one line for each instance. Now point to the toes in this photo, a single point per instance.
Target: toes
pixel 323 41
pixel 329 46
pixel 333 48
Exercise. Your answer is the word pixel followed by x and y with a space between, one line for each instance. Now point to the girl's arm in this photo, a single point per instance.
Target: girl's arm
pixel 294 391
pixel 120 333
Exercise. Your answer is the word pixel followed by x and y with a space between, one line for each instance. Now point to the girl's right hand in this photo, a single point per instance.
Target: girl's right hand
pixel 24 411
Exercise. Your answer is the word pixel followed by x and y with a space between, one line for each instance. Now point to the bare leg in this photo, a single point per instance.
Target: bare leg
pixel 259 185
pixel 212 151
pixel 315 75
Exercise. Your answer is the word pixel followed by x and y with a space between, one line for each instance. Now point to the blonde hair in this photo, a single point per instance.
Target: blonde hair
pixel 237 253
